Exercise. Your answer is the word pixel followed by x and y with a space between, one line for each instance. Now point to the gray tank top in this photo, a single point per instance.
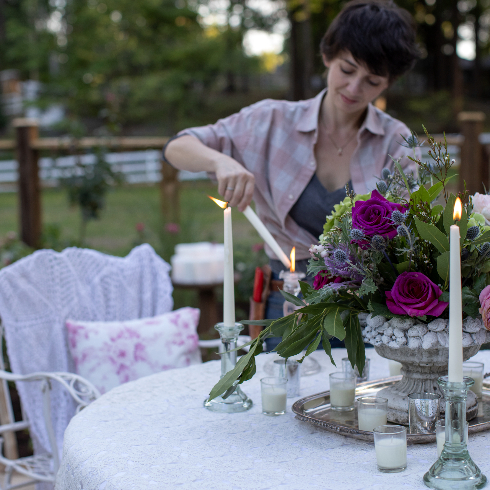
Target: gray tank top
pixel 314 205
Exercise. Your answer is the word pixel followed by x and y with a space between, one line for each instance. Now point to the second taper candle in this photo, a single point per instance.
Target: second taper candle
pixel 455 369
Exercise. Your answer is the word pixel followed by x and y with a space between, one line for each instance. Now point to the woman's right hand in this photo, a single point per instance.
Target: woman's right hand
pixel 235 183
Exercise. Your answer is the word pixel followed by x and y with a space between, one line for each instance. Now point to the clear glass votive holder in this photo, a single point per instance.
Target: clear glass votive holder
pixel 441 435
pixel 347 367
pixel 342 391
pixel 273 395
pixel 474 370
pixel 395 367
pixel 289 369
pixel 390 443
pixel 371 412
pixel 423 412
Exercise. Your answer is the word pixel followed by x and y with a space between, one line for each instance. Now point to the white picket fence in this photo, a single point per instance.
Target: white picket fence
pixel 136 166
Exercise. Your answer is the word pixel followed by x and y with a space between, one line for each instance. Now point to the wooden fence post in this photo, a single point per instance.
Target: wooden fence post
pixel 169 193
pixel 474 165
pixel 29 186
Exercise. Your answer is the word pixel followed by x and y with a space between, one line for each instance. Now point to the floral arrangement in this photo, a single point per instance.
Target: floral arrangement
pixel 385 254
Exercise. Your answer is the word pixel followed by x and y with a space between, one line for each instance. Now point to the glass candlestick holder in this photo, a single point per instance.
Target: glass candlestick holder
pixel 233 400
pixel 455 469
pixel 291 286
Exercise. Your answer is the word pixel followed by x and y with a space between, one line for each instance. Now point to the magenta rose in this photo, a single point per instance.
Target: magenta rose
pixel 322 280
pixel 373 216
pixel 485 306
pixel 414 294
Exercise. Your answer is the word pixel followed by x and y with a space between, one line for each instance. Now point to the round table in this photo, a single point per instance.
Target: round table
pixel 155 433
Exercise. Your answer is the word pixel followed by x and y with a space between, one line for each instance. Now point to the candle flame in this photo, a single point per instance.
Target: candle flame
pixel 457 209
pixel 221 204
pixel 293 259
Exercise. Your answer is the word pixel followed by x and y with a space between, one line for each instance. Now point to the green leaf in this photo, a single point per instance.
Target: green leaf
pixel 434 191
pixel 291 349
pixel 312 347
pixel 327 347
pixel 367 287
pixel 351 324
pixel 482 238
pixel 443 267
pixel 480 283
pixel 292 298
pixel 249 371
pixel 306 289
pixel 402 173
pixel 378 309
pixel 361 352
pixel 231 376
pixel 264 323
pixel 444 296
pixel 333 323
pixel 471 309
pixel 420 195
pixel 278 327
pixel 402 266
pixel 437 210
pixel 432 234
pixel 448 219
pixel 463 225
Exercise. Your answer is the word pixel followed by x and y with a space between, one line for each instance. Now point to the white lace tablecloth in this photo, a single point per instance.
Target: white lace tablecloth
pixel 155 433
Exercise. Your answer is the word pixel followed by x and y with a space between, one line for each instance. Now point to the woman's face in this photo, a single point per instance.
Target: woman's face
pixel 351 86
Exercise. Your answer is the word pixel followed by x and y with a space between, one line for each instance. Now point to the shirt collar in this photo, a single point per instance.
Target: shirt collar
pixel 372 121
pixel 309 120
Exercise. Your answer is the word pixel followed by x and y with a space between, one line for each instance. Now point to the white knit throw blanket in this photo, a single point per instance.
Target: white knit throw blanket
pixel 40 292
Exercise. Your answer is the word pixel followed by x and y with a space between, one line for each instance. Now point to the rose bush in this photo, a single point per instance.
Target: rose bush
pixel 373 216
pixel 414 294
pixel 485 306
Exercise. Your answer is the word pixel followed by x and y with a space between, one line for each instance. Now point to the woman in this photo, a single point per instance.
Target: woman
pixel 295 158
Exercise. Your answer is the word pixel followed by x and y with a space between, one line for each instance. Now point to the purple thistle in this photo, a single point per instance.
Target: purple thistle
pixel 342 269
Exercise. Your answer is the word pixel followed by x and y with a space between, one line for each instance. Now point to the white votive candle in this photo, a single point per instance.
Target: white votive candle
pixel 390 442
pixel 391 453
pixel 369 418
pixel 342 396
pixel 475 370
pixel 274 399
pixel 274 394
pixel 395 368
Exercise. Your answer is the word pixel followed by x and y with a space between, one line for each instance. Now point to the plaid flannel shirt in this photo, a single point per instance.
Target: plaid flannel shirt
pixel 275 139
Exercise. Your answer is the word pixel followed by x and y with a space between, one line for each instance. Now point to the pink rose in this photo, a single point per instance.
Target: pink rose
pixel 481 205
pixel 414 294
pixel 322 280
pixel 485 306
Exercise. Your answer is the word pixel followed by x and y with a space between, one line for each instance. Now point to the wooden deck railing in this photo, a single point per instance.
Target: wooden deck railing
pixel 474 168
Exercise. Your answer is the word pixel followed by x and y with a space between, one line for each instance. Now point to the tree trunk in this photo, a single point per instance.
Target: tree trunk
pixel 457 90
pixel 300 52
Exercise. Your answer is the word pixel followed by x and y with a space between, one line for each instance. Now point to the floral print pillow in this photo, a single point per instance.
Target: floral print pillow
pixel 111 353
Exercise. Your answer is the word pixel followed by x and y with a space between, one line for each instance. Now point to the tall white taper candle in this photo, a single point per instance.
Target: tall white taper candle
pixel 228 280
pixel 266 235
pixel 455 370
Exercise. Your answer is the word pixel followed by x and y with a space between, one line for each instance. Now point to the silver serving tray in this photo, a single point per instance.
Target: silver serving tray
pixel 316 410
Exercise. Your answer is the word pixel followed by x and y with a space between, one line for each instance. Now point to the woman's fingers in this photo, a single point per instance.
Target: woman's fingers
pixel 236 185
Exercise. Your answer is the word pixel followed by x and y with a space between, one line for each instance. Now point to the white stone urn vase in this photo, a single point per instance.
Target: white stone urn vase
pixel 422 349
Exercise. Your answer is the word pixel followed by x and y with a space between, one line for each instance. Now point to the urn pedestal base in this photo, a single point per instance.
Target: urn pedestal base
pixel 421 368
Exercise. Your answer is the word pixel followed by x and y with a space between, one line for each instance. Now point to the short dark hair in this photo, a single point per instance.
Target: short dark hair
pixel 377 33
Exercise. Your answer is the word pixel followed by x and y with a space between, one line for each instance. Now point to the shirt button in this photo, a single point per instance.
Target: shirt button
pixel 291 196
